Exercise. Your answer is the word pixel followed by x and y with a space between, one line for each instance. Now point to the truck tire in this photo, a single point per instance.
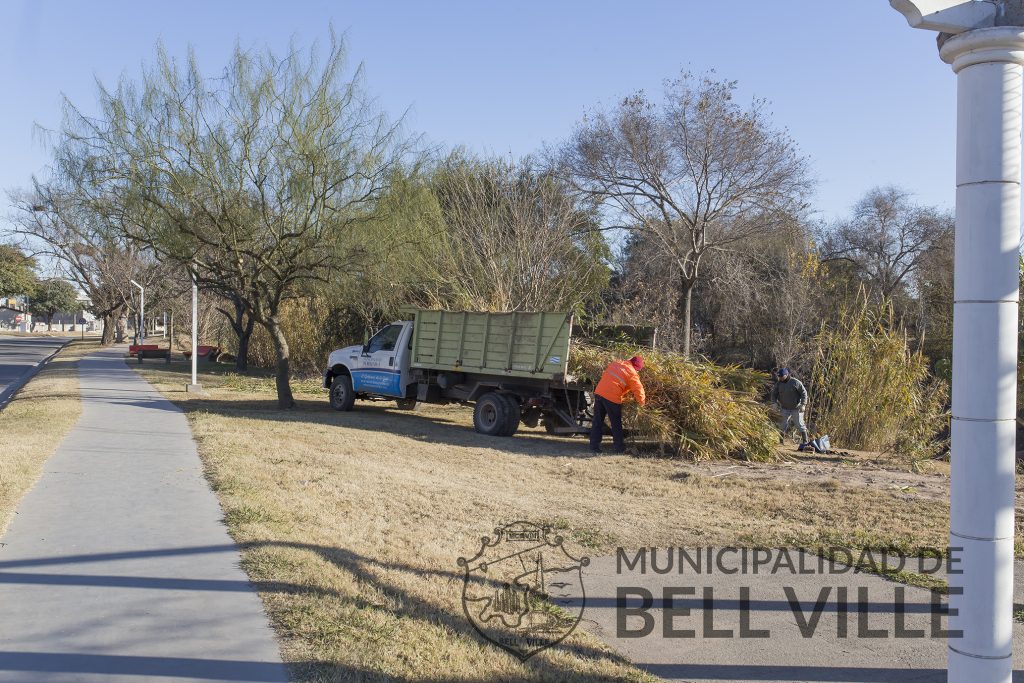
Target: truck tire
pixel 550 424
pixel 515 413
pixel 342 395
pixel 490 414
pixel 407 403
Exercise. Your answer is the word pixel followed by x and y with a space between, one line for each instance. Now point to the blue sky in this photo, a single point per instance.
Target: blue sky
pixel 864 95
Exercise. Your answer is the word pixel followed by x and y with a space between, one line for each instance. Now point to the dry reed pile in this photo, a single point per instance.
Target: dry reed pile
pixel 696 410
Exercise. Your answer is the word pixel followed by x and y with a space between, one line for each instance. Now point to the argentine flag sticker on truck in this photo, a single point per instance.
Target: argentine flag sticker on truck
pixel 555 360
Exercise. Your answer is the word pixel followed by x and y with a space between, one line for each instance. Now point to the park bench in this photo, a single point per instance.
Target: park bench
pixel 154 353
pixel 133 349
pixel 206 353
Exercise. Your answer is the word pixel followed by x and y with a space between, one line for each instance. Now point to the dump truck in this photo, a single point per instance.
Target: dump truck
pixel 512 367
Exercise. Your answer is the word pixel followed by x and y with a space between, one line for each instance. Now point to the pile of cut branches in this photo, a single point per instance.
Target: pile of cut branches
pixel 695 410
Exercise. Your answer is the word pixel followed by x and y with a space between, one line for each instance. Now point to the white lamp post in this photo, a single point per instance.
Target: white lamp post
pixel 142 311
pixel 195 387
pixel 142 319
pixel 984 43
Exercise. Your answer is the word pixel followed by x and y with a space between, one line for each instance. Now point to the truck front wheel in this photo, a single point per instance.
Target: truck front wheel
pixel 491 415
pixel 342 395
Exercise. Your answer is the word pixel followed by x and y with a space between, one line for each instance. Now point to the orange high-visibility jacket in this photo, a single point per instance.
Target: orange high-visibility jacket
pixel 620 379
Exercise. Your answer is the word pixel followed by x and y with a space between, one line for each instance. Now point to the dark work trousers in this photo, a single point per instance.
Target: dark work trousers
pixel 602 407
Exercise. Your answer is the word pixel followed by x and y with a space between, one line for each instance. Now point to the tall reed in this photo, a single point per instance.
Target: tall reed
pixel 869 390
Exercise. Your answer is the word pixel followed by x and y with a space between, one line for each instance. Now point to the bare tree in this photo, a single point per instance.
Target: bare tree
pixel 242 324
pixel 88 247
pixel 933 281
pixel 887 238
pixel 696 173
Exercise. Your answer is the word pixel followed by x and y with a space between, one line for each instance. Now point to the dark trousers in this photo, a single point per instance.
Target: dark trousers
pixel 602 407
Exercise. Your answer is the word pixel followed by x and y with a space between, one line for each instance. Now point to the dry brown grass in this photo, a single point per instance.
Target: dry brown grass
pixel 36 421
pixel 351 524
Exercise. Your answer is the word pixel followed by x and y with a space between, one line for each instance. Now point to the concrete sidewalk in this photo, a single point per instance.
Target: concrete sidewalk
pixel 117 566
pixel 781 626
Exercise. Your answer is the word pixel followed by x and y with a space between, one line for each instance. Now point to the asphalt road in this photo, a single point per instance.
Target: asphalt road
pixel 18 358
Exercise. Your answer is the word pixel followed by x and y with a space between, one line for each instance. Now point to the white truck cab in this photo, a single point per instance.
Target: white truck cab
pixel 380 368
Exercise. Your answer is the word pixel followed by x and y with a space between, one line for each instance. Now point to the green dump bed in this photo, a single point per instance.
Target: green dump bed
pixel 514 344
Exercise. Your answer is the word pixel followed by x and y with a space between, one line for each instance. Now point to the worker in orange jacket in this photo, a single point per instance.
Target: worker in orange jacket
pixel 620 379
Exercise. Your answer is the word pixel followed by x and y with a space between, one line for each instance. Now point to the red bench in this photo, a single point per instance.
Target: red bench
pixel 205 353
pixel 134 348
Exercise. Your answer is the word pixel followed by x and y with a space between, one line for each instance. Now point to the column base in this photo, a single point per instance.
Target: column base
pixel 966 668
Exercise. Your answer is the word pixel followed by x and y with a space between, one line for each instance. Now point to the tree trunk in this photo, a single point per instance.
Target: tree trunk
pixel 242 359
pixel 122 328
pixel 242 325
pixel 284 389
pixel 109 328
pixel 49 323
pixel 686 309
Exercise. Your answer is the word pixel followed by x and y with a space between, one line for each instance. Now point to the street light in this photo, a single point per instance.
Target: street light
pixel 142 312
pixel 195 386
pixel 141 319
pixel 984 43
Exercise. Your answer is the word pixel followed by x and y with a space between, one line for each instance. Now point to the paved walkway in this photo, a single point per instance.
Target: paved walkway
pixel 117 566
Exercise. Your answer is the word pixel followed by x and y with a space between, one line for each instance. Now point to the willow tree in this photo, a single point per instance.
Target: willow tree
pixel 695 172
pixel 247 180
pixel 511 238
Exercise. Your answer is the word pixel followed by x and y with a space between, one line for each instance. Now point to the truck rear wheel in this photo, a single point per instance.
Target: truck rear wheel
pixel 550 424
pixel 491 414
pixel 515 413
pixel 342 395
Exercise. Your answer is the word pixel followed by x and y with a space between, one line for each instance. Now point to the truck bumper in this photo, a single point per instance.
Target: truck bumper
pixel 328 378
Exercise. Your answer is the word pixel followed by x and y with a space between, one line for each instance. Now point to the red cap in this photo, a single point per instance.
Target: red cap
pixel 637 362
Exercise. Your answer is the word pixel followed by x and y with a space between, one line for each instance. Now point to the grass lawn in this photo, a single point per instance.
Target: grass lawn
pixel 351 523
pixel 36 421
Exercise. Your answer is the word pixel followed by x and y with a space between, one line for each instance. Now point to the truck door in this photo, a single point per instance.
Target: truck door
pixel 378 370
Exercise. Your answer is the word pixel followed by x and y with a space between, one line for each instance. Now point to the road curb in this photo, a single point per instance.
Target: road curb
pixel 9 393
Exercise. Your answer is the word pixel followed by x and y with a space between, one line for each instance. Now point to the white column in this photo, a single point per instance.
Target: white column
pixel 195 328
pixel 987 62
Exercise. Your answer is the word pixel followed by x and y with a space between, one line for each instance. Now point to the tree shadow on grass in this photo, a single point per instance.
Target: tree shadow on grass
pixel 400 605
pixel 382 417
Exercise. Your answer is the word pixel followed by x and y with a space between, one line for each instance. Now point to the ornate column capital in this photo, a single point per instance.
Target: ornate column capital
pixel 984 45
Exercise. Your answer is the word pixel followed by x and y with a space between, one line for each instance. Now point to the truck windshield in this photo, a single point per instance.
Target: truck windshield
pixel 385 340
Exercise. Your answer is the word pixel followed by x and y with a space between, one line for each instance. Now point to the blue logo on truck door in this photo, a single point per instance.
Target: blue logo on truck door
pixel 387 382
